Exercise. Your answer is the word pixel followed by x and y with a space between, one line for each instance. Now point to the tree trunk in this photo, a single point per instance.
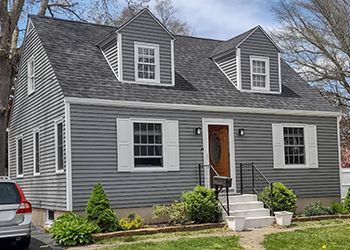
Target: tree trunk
pixel 5 83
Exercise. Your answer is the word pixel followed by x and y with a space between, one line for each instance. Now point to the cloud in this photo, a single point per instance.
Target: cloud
pixel 223 19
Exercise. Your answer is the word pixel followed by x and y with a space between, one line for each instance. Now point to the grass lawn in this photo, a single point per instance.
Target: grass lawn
pixel 218 238
pixel 227 242
pixel 334 236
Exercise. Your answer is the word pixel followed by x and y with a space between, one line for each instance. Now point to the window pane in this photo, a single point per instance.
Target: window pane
pixel 148 150
pixel 20 156
pixel 294 148
pixel 59 146
pixel 37 153
pixel 9 194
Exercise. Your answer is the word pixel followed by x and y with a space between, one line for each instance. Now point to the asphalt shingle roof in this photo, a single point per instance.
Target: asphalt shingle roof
pixel 83 72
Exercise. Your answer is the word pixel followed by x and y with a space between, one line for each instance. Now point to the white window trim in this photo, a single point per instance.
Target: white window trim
pixel 19 175
pixel 32 77
pixel 36 130
pixel 58 171
pixel 267 64
pixel 149 169
pixel 157 64
pixel 306 145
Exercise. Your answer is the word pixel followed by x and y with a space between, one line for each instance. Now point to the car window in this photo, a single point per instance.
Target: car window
pixel 9 194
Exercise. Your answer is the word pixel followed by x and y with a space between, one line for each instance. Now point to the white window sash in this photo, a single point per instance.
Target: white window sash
pixel 266 74
pixel 31 75
pixel 156 63
pixel 19 175
pixel 57 122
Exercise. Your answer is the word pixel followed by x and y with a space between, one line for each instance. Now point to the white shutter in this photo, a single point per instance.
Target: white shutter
pixel 125 150
pixel 171 157
pixel 312 154
pixel 278 145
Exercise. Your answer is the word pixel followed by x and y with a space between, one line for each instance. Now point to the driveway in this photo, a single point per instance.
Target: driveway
pixel 40 241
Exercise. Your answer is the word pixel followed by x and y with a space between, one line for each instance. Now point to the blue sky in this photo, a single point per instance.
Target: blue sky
pixel 218 19
pixel 223 19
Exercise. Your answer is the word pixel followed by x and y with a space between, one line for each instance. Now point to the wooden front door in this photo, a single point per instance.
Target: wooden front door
pixel 219 149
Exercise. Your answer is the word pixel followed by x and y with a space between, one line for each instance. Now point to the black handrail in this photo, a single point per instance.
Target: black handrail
pixel 218 188
pixel 257 176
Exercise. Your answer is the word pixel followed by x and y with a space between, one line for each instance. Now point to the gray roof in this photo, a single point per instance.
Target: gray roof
pixel 231 43
pixel 83 72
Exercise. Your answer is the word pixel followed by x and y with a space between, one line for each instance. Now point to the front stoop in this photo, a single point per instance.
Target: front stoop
pixel 248 206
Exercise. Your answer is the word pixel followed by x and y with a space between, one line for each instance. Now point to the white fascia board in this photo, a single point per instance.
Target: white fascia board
pixel 190 107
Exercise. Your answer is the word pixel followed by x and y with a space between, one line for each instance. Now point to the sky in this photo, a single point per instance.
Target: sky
pixel 224 19
pixel 217 19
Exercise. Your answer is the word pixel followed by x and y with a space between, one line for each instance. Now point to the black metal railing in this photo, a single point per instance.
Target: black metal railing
pixel 220 183
pixel 254 181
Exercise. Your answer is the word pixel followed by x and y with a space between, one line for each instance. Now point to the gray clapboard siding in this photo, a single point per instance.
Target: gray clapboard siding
pixel 228 65
pixel 259 45
pixel 94 156
pixel 145 29
pixel 38 110
pixel 110 51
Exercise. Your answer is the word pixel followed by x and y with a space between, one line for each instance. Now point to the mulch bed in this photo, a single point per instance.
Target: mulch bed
pixel 321 217
pixel 155 230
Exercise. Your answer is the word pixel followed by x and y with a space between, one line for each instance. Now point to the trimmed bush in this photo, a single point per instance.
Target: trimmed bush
pixel 99 211
pixel 133 221
pixel 316 208
pixel 70 229
pixel 284 198
pixel 201 205
pixel 175 213
pixel 338 208
pixel 347 200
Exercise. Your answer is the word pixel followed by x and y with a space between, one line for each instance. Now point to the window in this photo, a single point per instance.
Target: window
pixel 259 72
pixel 294 145
pixel 59 146
pixel 36 152
pixel 19 157
pixel 146 62
pixel 148 149
pixel 50 216
pixel 31 75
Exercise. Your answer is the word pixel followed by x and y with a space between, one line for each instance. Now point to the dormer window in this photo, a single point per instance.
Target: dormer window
pixel 259 73
pixel 147 63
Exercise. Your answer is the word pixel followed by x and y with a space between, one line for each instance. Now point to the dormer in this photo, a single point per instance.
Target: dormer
pixel 141 51
pixel 251 61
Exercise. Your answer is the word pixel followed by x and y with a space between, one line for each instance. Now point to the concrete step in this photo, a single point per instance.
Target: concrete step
pixel 243 198
pixel 246 205
pixel 260 212
pixel 256 222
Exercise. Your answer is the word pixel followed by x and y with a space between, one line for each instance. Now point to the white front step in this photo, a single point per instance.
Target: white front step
pixel 260 212
pixel 246 205
pixel 256 222
pixel 243 198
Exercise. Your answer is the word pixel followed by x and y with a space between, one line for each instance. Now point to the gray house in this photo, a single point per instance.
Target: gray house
pixel 137 108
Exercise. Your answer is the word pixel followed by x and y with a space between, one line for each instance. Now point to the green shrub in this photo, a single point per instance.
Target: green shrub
pixel 70 229
pixel 201 205
pixel 175 213
pixel 99 211
pixel 284 198
pixel 316 208
pixel 347 200
pixel 133 221
pixel 338 208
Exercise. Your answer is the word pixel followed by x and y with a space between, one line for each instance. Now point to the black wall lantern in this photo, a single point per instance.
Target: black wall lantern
pixel 241 132
pixel 198 131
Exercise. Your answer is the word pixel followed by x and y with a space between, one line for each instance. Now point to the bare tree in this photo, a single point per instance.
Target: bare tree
pixel 315 35
pixel 316 39
pixel 164 11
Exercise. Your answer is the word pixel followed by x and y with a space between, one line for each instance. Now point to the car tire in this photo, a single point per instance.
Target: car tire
pixel 24 242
